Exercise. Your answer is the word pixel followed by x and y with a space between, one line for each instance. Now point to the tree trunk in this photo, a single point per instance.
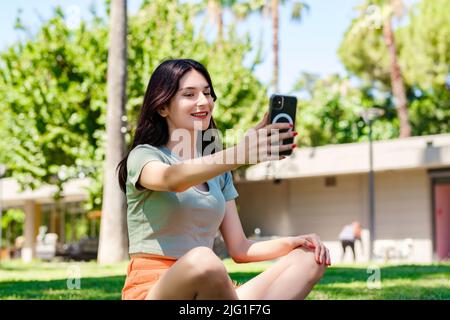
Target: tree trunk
pixel 398 87
pixel 215 12
pixel 113 246
pixel 220 25
pixel 275 27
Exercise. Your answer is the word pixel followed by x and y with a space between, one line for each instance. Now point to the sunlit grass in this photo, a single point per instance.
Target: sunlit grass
pixel 38 270
pixel 43 280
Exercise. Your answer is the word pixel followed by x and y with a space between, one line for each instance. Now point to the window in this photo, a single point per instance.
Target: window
pixel 330 181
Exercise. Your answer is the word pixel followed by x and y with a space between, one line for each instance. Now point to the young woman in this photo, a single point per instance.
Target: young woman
pixel 177 201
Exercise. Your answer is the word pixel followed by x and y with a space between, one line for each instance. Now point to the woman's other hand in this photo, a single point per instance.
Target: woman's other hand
pixel 313 242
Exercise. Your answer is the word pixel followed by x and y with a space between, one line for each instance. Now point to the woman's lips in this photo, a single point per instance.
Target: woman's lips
pixel 200 115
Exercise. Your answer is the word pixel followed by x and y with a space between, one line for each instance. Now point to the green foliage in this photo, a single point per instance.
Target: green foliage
pixel 12 215
pixel 423 46
pixel 430 112
pixel 364 54
pixel 240 94
pixel 53 89
pixel 426 58
pixel 329 112
pixel 426 45
pixel 53 92
pixel 12 224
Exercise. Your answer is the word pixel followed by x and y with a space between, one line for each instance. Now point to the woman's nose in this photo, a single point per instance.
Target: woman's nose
pixel 202 99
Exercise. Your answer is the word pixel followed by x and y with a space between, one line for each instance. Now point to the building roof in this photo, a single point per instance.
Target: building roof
pixel 12 196
pixel 426 152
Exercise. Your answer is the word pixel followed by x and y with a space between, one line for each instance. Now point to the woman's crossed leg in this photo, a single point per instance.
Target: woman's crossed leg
pixel 199 275
pixel 292 277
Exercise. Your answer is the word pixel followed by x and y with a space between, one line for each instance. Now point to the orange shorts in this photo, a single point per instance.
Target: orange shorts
pixel 142 274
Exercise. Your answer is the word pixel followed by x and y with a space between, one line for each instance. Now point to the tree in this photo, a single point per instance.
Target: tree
pixel 425 45
pixel 215 10
pixel 271 7
pixel 328 111
pixel 425 53
pixel 113 232
pixel 422 51
pixel 398 86
pixel 378 14
pixel 274 12
pixel 53 89
pixel 52 92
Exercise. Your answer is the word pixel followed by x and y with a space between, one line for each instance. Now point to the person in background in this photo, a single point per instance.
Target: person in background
pixel 348 236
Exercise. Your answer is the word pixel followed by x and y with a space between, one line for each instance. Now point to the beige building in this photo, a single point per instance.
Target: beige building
pixel 319 190
pixel 315 190
pixel 41 208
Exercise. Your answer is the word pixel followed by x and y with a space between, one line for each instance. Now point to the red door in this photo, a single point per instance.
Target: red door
pixel 442 220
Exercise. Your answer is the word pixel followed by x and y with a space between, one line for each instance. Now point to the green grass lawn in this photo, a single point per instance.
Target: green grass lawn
pixel 41 280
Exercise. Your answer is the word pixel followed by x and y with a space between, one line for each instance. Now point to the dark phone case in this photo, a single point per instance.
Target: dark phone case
pixel 289 107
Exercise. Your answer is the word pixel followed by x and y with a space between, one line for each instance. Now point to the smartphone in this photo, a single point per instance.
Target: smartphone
pixel 283 109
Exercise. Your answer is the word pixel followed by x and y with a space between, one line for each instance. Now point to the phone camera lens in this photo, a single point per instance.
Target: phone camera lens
pixel 277 103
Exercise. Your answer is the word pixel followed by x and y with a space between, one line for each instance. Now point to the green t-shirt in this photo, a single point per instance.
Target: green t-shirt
pixel 172 223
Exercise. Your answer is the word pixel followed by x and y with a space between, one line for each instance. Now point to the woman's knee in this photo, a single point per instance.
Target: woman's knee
pixel 205 264
pixel 305 258
pixel 318 272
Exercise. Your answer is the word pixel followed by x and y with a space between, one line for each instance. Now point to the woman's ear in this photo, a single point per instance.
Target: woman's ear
pixel 163 112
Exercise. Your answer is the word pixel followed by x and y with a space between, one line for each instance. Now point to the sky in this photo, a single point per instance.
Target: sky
pixel 307 46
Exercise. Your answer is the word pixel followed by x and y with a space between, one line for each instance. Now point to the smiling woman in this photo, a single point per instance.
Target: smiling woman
pixel 179 196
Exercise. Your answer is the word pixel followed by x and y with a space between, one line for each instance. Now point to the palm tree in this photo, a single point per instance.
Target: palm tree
pixel 215 11
pixel 379 14
pixel 241 9
pixel 113 233
pixel 272 8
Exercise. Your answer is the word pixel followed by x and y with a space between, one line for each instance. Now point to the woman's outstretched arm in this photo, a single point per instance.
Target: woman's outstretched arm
pixel 257 146
pixel 159 176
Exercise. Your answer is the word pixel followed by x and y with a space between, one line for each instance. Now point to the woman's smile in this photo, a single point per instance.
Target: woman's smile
pixel 200 115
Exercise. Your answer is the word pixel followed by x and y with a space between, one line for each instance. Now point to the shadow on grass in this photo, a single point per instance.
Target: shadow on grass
pixel 102 288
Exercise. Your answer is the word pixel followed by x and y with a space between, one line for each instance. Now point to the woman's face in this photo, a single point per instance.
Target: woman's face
pixel 192 105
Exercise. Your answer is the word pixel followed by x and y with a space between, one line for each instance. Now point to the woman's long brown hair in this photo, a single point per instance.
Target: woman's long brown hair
pixel 152 128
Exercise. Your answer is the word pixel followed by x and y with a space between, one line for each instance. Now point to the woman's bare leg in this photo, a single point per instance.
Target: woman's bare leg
pixel 292 277
pixel 199 274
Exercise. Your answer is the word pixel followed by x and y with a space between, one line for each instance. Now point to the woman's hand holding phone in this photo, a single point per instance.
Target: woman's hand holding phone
pixel 263 142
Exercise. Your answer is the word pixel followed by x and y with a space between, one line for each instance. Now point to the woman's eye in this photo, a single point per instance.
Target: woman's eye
pixel 207 93
pixel 188 94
